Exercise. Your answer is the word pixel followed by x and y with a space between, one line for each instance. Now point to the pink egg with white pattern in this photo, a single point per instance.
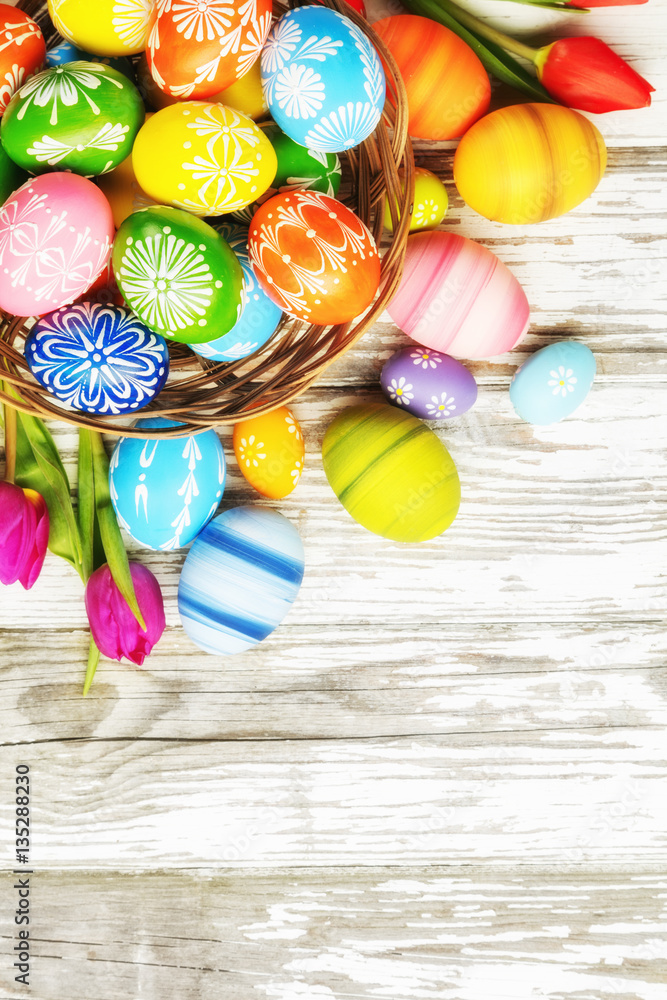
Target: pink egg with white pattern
pixel 55 238
pixel 457 297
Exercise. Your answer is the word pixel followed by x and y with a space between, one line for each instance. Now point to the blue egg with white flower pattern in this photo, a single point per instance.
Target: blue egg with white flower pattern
pixel 322 79
pixel 164 490
pixel 553 383
pixel 98 358
pixel 260 316
pixel 240 579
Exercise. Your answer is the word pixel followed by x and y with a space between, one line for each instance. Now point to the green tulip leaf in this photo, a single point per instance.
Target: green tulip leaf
pixel 93 661
pixel 86 504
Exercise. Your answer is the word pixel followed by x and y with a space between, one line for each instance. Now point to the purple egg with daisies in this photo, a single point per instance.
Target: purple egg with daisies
pixel 428 384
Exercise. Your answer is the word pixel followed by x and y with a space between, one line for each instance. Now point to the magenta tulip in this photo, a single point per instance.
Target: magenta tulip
pixel 115 630
pixel 24 534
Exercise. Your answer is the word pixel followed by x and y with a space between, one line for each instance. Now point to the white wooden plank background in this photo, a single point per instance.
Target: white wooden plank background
pixel 444 775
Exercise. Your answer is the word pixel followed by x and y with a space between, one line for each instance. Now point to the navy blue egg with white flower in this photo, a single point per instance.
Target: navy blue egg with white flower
pixel 322 79
pixel 428 384
pixel 97 358
pixel 260 316
pixel 553 382
pixel 164 490
pixel 240 579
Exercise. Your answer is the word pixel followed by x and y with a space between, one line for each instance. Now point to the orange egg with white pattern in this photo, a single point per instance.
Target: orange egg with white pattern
pixel 314 257
pixel 270 452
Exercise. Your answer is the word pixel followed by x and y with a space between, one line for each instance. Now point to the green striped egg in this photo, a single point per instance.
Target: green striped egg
pixel 391 473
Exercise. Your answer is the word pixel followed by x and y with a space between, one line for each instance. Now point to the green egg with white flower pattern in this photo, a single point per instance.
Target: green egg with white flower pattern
pixel 82 117
pixel 178 274
pixel 298 167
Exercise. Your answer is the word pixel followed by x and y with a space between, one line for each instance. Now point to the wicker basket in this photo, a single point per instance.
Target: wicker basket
pixel 201 393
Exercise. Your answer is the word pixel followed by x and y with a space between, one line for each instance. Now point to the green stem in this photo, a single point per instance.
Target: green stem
pixel 486 31
pixel 10 443
pixel 93 660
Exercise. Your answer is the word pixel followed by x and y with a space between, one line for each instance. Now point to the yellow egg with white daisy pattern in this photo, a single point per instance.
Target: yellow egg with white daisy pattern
pixel 205 158
pixel 430 201
pixel 270 452
pixel 105 27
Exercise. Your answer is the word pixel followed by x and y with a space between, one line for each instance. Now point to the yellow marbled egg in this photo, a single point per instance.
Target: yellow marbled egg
pixel 105 27
pixel 529 162
pixel 205 158
pixel 430 202
pixel 270 452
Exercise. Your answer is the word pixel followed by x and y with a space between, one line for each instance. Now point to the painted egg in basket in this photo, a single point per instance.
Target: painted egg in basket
pixel 105 27
pixel 97 358
pixel 553 382
pixel 240 578
pixel 180 277
pixel 459 298
pixel 428 384
pixel 197 49
pixel 314 257
pixel 164 490
pixel 260 316
pixel 204 158
pixel 22 51
pixel 82 116
pixel 55 239
pixel 270 452
pixel 323 79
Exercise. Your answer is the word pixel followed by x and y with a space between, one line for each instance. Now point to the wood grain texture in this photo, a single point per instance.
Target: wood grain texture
pixel 340 933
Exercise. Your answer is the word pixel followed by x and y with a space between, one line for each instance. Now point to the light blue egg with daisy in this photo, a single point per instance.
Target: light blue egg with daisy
pixel 260 316
pixel 553 382
pixel 322 79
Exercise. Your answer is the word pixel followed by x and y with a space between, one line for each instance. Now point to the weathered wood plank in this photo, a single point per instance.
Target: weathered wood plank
pixel 366 933
pixel 593 796
pixel 342 683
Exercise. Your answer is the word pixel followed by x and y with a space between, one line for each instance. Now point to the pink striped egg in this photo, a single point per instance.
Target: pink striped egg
pixel 457 297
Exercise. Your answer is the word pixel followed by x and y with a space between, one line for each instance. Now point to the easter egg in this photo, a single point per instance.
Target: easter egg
pixel 123 192
pixel 429 206
pixel 67 52
pixel 205 158
pixel 260 316
pixel 428 384
pixel 82 117
pixel 106 27
pixel 55 238
pixel 323 80
pixel 391 473
pixel 195 49
pixel 97 358
pixel 528 163
pixel 298 167
pixel 164 490
pixel 240 578
pixel 447 86
pixel 314 257
pixel 11 175
pixel 270 452
pixel 553 382
pixel 457 297
pixel 22 51
pixel 180 277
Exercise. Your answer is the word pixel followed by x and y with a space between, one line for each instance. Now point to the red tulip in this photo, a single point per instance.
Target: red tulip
pixel 24 534
pixel 583 4
pixel 115 630
pixel 585 73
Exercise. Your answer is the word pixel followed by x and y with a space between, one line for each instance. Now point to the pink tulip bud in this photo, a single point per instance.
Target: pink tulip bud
pixel 583 4
pixel 24 534
pixel 115 630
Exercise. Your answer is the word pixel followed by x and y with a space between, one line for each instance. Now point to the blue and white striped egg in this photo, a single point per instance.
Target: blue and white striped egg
pixel 240 579
pixel 260 316
pixel 322 79
pixel 98 358
pixel 553 382
pixel 164 490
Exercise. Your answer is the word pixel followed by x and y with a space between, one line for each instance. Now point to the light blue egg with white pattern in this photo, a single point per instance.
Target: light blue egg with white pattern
pixel 240 579
pixel 553 382
pixel 260 316
pixel 322 79
pixel 165 490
